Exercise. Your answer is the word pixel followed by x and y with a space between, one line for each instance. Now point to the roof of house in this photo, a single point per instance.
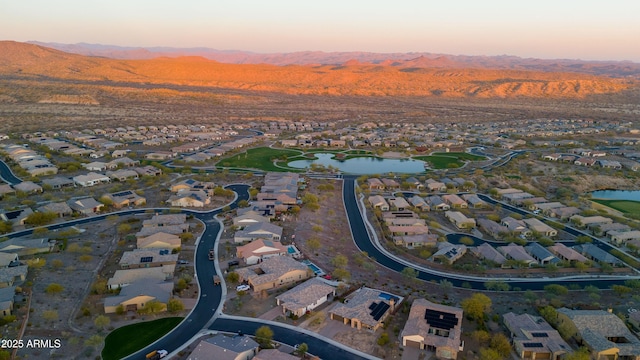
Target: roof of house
pixel 377 200
pixel 165 219
pixel 143 256
pixel 260 246
pixel 595 326
pixel 271 269
pixel 492 226
pixel 399 202
pixel 425 315
pixel 83 204
pixel 7 294
pixel 305 294
pixel 58 208
pixel 16 244
pixel 8 274
pixel 130 276
pixel 596 253
pixel 223 347
pixel 567 253
pixel 263 227
pixel 516 252
pixel 365 305
pixel 27 186
pixel 160 237
pixel 160 291
pixel 538 226
pixel 488 252
pixel 539 252
pixel 529 330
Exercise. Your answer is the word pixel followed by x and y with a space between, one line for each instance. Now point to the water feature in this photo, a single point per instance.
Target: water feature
pixel 633 195
pixel 363 165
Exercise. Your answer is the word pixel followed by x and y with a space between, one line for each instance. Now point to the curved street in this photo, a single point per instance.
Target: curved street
pixel 7 175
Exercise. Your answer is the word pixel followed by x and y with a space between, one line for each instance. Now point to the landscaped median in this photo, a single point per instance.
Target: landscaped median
pixel 131 338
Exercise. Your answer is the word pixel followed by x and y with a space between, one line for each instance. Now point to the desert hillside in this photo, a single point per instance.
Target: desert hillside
pixel 422 77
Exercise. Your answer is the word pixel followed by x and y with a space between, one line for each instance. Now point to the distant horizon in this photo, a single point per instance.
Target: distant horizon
pixel 545 29
pixel 417 53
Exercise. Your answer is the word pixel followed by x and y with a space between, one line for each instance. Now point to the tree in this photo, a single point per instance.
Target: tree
pixel 314 244
pixel 302 350
pixel 556 289
pixel 54 288
pixel 340 261
pixel 94 341
pixel 465 240
pixel 233 277
pixel 264 335
pixel 500 344
pixel 409 273
pixel 152 307
pixel 583 239
pixel 175 305
pixel 550 314
pixel 341 274
pixel 120 310
pixel 50 315
pixel 476 306
pixel 481 336
pixel 489 354
pixel 124 228
pixel 243 204
pixel 580 354
pixel 40 218
pixel 102 321
pixel 5 227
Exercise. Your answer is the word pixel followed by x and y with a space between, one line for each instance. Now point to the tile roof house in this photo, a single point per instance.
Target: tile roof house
pixel 449 253
pixel 538 226
pixel 566 253
pixel 377 201
pixel 594 253
pixel 488 252
pixel 435 327
pixel 138 258
pixel 515 226
pixel 273 272
pixel 91 179
pixel 6 189
pixel 365 309
pixel 125 198
pixel 7 296
pixel 28 187
pixel 533 338
pixel 190 198
pixel 375 184
pixel 61 209
pixel 434 186
pixel 419 203
pixel 398 203
pixel 86 206
pixel 223 347
pixel 493 228
pixel 136 295
pixel 460 220
pixel 455 201
pixel 249 218
pixel 159 240
pixel 415 241
pixel 22 246
pixel 263 230
pixel 305 297
pixel 12 275
pixel 622 237
pixel 603 333
pixel 122 278
pixel 122 174
pixel 16 217
pixel 260 249
pixel 474 201
pixel 541 254
pixel 517 253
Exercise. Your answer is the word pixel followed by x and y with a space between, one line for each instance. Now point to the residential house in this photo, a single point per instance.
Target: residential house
pixel 61 209
pixel 419 203
pixel 258 231
pixel 415 241
pixel 159 240
pixel 538 226
pixel 592 252
pixel 474 201
pixel 8 259
pixel 566 253
pixel 224 347
pixel 249 218
pixel 24 247
pixel 541 254
pixel 16 217
pixel 398 203
pixel 91 179
pixel 488 252
pixel 6 189
pixel 607 229
pixel 58 182
pixel 136 295
pixel 148 171
pixel 123 278
pixel 166 220
pixel 493 228
pixel 95 166
pixel 260 249
pixel 512 198
pixel 434 327
pixel 437 203
pixel 378 202
pixel 460 220
pixel 28 187
pixel 122 174
pixel 603 333
pixel 189 198
pixel 305 297
pixel 138 258
pixel 7 296
pixel 365 309
pixel 517 253
pixel 622 237
pixel 273 272
pixel 390 184
pixel 122 162
pixel 564 213
pixel 125 198
pixel 184 185
pixel 435 186
pixel 546 207
pixel 588 221
pixel 610 164
pixel 85 206
pixel 375 184
pixel 585 161
pixel 533 338
pixel 415 183
pixel 455 201
pixel 515 226
pixel 12 275
pixel 448 253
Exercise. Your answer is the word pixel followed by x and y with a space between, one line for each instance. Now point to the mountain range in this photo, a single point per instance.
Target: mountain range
pixel 365 75
pixel 402 60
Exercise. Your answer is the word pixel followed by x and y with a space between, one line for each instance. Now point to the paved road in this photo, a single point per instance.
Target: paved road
pixel 365 243
pixel 7 175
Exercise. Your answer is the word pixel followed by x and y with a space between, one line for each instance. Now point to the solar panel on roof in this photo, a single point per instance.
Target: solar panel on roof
pixel 539 335
pixel 532 345
pixel 440 320
pixel 146 259
pixel 122 193
pixel 373 305
pixel 379 310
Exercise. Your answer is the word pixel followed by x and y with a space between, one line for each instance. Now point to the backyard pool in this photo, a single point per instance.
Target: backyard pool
pixel 314 268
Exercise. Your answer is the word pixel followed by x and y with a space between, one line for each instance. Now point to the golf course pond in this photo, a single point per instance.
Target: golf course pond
pixel 363 165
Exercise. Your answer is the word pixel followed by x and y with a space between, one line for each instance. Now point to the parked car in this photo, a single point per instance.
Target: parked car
pixel 243 287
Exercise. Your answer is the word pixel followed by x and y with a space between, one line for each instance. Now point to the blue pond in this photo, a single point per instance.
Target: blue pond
pixel 363 165
pixel 633 195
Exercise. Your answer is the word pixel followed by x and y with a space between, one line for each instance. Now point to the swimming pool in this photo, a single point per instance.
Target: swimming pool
pixel 313 267
pixel 388 296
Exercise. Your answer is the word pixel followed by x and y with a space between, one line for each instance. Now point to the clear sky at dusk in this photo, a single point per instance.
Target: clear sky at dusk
pixel 576 29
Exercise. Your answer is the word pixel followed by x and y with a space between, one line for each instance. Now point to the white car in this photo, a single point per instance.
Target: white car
pixel 243 287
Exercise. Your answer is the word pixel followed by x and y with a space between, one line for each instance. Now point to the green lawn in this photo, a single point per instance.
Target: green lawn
pixel 129 339
pixel 461 155
pixel 258 158
pixel 440 162
pixel 624 206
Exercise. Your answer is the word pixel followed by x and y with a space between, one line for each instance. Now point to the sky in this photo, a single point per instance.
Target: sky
pixel 566 29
